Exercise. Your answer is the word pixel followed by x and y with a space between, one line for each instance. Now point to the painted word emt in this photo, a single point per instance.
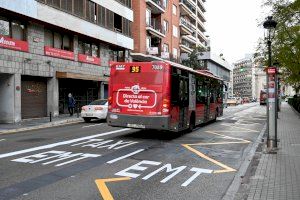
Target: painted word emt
pixel 143 165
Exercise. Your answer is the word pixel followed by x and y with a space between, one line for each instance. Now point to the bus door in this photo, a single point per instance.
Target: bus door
pixel 180 100
pixel 207 102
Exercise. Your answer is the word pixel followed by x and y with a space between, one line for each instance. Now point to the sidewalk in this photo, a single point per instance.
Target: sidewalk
pixel 278 175
pixel 32 124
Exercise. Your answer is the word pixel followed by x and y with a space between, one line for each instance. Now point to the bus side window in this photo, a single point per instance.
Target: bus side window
pixel 200 98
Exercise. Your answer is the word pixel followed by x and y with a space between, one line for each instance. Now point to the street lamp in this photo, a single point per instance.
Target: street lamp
pixel 270 26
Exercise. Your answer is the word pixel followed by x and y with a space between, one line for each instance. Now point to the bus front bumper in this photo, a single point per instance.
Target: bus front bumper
pixel 140 122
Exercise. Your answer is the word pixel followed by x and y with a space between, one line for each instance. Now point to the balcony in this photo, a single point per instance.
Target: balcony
pixel 186 27
pixel 156 6
pixel 191 38
pixel 201 6
pixel 185 46
pixel 186 8
pixel 201 16
pixel 154 27
pixel 201 26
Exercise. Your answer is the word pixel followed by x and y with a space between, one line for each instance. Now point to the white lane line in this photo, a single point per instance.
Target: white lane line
pixel 49 146
pixel 2 140
pixel 126 156
pixel 92 125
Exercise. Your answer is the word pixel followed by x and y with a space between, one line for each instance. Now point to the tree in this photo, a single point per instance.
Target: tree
pixel 286 43
pixel 193 61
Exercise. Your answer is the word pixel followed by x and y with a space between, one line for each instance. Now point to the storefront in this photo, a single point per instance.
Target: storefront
pixel 83 90
pixel 33 97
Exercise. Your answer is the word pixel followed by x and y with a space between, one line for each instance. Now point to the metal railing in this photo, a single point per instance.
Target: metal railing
pixel 155 24
pixel 190 7
pixel 187 24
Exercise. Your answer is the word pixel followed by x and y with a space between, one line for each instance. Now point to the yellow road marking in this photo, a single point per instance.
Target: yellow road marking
pixel 103 188
pixel 225 167
pixel 230 125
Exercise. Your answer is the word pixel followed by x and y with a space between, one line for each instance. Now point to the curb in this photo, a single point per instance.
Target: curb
pixel 46 125
pixel 235 185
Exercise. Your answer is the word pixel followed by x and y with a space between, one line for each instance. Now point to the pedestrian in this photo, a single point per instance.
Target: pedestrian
pixel 71 104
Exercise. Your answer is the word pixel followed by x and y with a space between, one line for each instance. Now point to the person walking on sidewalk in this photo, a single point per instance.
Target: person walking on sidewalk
pixel 71 104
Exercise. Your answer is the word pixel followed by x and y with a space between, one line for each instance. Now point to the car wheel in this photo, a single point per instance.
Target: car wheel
pixel 87 119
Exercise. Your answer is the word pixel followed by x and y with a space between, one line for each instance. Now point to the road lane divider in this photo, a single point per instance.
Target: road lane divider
pixel 125 156
pixel 2 140
pixel 49 146
pixel 103 189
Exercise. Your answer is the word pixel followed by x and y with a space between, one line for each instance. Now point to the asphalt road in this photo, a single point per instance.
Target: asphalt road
pixel 95 161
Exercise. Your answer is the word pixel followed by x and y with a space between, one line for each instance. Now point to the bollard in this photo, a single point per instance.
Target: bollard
pixel 50 116
pixel 77 112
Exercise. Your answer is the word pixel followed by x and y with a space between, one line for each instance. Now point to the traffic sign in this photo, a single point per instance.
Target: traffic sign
pixel 271 70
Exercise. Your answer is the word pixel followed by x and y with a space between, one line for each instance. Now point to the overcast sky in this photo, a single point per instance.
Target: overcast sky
pixel 232 27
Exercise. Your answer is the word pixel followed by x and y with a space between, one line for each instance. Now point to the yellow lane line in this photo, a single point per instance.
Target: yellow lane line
pixel 103 188
pixel 225 167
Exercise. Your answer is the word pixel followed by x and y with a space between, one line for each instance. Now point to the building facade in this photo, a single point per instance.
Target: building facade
pixel 218 67
pixel 165 29
pixel 244 78
pixel 49 48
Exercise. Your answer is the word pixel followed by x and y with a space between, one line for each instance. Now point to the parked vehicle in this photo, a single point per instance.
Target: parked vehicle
pixel 231 101
pixel 95 110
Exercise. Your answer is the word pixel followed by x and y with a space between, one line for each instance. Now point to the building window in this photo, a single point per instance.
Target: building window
pixel 175 53
pixel 165 27
pixel 57 40
pixel 79 7
pixel 175 31
pixel 174 9
pixel 13 29
pixel 55 3
pixel 90 14
pixel 165 3
pixel 109 19
pixel 165 48
pixel 89 49
pixel 148 17
pixel 101 16
pixel 67 5
pixel 148 42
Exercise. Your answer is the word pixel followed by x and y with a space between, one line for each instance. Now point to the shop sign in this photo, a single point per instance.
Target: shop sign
pixel 11 43
pixel 89 59
pixel 59 53
pixel 271 70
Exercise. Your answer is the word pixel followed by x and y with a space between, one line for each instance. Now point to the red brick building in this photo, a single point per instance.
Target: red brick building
pixel 165 29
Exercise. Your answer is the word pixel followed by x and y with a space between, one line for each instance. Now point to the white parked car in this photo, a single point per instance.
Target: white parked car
pixel 95 110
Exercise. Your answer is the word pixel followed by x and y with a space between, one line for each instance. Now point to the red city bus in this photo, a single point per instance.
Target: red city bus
pixel 162 96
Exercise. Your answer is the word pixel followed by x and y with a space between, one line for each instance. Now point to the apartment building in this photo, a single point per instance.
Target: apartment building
pixel 49 48
pixel 165 29
pixel 244 78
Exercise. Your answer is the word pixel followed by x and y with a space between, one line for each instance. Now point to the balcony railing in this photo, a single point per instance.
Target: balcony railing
pixel 189 6
pixel 156 26
pixel 187 24
pixel 157 6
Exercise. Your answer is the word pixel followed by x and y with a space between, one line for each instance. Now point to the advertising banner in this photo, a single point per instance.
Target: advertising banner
pixel 9 43
pixel 89 59
pixel 59 53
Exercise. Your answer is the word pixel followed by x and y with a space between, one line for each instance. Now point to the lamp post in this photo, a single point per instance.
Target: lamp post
pixel 270 26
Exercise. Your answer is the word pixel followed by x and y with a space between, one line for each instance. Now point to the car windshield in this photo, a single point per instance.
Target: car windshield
pixel 99 102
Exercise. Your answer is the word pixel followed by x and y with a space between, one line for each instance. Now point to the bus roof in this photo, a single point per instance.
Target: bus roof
pixel 179 66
